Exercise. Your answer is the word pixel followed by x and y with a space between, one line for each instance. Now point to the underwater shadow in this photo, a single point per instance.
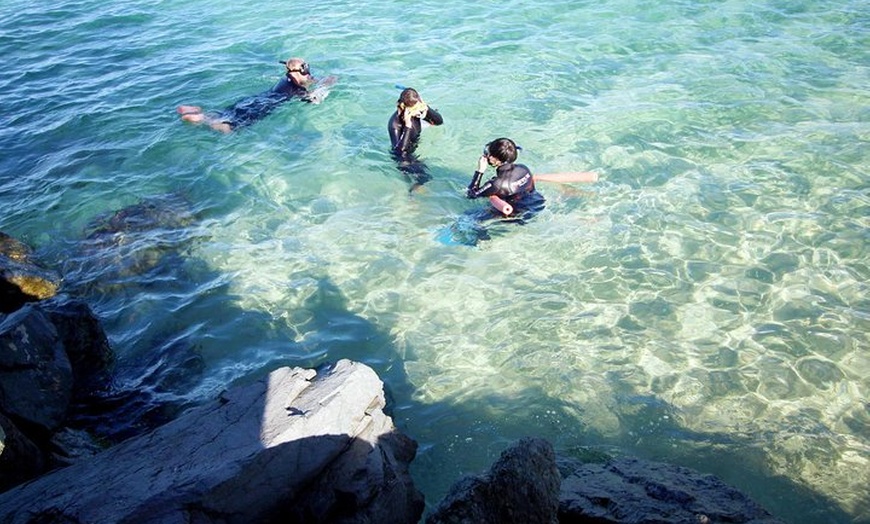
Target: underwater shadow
pixel 736 461
pixel 153 387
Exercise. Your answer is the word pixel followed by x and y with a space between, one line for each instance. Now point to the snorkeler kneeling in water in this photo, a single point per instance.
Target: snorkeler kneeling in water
pixel 512 183
pixel 405 126
pixel 248 110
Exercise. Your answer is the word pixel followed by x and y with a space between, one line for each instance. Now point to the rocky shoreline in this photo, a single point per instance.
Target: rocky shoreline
pixel 298 445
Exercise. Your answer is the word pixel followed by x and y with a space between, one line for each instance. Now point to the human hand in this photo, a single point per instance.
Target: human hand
pixel 408 119
pixel 418 110
pixel 482 163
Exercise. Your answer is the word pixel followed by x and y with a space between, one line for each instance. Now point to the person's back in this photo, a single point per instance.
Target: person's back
pixel 512 182
pixel 515 185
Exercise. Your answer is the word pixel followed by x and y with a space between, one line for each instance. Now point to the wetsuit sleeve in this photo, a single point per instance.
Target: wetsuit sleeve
pixel 395 129
pixel 477 191
pixel 434 117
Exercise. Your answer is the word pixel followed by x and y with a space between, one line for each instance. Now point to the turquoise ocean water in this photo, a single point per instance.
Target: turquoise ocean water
pixel 706 303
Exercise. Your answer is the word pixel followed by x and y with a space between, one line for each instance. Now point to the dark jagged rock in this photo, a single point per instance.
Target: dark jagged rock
pixel 20 458
pixel 84 341
pixel 631 491
pixel 36 389
pixel 522 486
pixel 529 485
pixel 36 379
pixel 295 446
pixel 51 349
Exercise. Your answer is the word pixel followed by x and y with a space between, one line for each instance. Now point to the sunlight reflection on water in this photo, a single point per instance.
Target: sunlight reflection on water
pixel 705 303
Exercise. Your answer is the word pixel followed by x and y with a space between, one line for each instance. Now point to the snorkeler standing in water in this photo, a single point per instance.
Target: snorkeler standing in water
pixel 296 83
pixel 405 126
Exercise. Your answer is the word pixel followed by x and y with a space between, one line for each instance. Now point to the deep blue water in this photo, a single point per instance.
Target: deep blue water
pixel 705 303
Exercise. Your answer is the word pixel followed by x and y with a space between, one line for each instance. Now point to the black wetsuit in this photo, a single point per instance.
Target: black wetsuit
pixel 514 184
pixel 403 143
pixel 250 109
pixel 403 139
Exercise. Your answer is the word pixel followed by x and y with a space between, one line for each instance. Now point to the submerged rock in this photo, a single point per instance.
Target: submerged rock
pixel 168 211
pixel 530 484
pixel 14 249
pixel 138 238
pixel 631 490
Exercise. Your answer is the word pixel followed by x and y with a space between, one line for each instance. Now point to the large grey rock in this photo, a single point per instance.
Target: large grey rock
pixel 521 487
pixel 634 491
pixel 295 446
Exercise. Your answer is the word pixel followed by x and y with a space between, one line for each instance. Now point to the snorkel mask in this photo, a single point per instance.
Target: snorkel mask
pixel 301 68
pixel 417 109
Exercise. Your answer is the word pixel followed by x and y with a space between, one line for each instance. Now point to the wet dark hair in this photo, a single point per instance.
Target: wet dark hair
pixel 408 97
pixel 504 149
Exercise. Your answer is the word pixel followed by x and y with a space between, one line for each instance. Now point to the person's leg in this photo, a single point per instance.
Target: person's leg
pixel 416 173
pixel 183 110
pixel 192 114
pixel 223 127
pixel 193 118
pixel 195 115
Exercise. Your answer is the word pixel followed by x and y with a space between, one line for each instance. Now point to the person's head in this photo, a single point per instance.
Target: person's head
pixel 409 100
pixel 297 70
pixel 409 97
pixel 504 150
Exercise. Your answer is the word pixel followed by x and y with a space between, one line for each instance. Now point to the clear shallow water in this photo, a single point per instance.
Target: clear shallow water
pixel 705 303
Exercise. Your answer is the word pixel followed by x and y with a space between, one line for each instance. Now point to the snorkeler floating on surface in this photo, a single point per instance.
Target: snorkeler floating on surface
pixel 405 126
pixel 297 82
